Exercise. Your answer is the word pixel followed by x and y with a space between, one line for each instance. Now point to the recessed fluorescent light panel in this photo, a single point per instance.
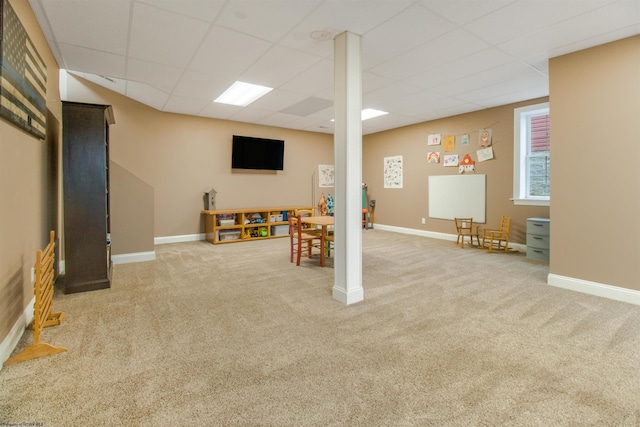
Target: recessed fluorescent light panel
pixel 370 113
pixel 242 94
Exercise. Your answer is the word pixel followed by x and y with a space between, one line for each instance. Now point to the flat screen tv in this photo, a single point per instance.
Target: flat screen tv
pixel 257 153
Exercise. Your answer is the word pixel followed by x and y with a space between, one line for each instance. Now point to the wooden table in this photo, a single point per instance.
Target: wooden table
pixel 325 222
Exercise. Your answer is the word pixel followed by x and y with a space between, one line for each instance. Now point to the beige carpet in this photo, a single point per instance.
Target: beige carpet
pixel 235 335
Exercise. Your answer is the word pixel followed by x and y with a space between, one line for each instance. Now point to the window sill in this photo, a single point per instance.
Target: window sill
pixel 531 202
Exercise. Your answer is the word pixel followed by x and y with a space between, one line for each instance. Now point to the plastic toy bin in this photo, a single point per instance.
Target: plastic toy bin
pixel 226 219
pixel 226 235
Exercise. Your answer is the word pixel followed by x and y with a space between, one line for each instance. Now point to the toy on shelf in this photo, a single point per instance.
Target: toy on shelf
pixel 322 205
pixel 330 204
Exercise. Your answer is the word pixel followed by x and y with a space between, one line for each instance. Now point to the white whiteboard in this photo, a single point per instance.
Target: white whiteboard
pixel 457 196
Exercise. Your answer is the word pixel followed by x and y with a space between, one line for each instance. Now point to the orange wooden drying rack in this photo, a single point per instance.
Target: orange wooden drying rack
pixel 42 315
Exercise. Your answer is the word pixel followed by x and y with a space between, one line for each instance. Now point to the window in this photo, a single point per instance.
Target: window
pixel 531 160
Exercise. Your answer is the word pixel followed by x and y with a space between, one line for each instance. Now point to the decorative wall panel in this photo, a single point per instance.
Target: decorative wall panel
pixel 23 76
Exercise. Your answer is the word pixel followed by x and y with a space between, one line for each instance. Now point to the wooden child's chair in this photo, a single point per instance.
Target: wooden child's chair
pixel 304 240
pixel 466 228
pixel 494 239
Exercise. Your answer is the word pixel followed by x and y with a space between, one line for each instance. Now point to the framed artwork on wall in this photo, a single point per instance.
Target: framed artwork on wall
pixel 450 160
pixel 326 176
pixel 23 76
pixel 393 172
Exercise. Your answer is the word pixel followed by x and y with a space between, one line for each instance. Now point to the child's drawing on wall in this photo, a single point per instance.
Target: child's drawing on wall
pixel 467 165
pixel 433 157
pixel 393 172
pixel 485 154
pixel 434 139
pixel 449 143
pixel 484 137
pixel 450 160
pixel 326 176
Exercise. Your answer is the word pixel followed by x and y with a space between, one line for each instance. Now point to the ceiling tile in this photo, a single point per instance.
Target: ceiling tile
pixel 410 28
pixel 203 10
pixel 147 95
pixel 533 81
pixel 389 121
pixel 372 82
pixel 277 119
pixel 163 37
pixel 308 106
pixel 358 17
pixel 278 99
pixel 278 66
pixel 597 40
pixel 219 111
pixel 554 39
pixel 93 61
pixel 219 52
pixel 115 85
pixel 312 80
pixel 98 25
pixel 490 77
pixel 267 20
pixel 522 17
pixel 201 86
pixel 309 123
pixel 249 114
pixel 418 104
pixel 464 11
pixel 442 50
pixel 178 104
pixel 443 73
pixel 154 74
pixel 388 95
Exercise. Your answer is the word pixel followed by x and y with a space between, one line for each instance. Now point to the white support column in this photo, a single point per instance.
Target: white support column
pixel 347 143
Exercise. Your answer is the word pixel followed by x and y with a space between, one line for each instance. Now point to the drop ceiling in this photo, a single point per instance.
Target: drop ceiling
pixel 422 60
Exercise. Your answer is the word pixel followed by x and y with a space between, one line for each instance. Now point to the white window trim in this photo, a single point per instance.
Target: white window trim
pixel 519 156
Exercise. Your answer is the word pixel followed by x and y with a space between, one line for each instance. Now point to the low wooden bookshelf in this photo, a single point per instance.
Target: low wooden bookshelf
pixel 241 225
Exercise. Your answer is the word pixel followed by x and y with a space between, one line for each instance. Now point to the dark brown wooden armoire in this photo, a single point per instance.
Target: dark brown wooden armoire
pixel 85 155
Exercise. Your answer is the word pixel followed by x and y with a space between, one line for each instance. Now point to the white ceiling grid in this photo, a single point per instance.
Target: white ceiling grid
pixel 422 59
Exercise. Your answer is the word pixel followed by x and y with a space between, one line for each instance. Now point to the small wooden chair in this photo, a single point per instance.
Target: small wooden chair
pixel 304 240
pixel 466 228
pixel 328 241
pixel 308 228
pixel 493 239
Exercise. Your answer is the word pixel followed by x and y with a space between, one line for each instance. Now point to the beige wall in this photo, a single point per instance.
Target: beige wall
pixel 131 212
pixel 181 157
pixel 28 189
pixel 407 206
pixel 595 111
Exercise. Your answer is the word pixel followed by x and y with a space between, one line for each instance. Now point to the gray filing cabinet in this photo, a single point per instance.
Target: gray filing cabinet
pixel 538 232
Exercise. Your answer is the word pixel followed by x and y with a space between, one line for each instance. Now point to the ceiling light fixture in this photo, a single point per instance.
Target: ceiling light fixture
pixel 242 94
pixel 370 113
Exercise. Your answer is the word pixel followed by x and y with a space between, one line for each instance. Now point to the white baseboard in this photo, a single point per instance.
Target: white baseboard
pixel 423 233
pixel 348 297
pixel 133 257
pixel 606 291
pixel 435 235
pixel 11 341
pixel 178 239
